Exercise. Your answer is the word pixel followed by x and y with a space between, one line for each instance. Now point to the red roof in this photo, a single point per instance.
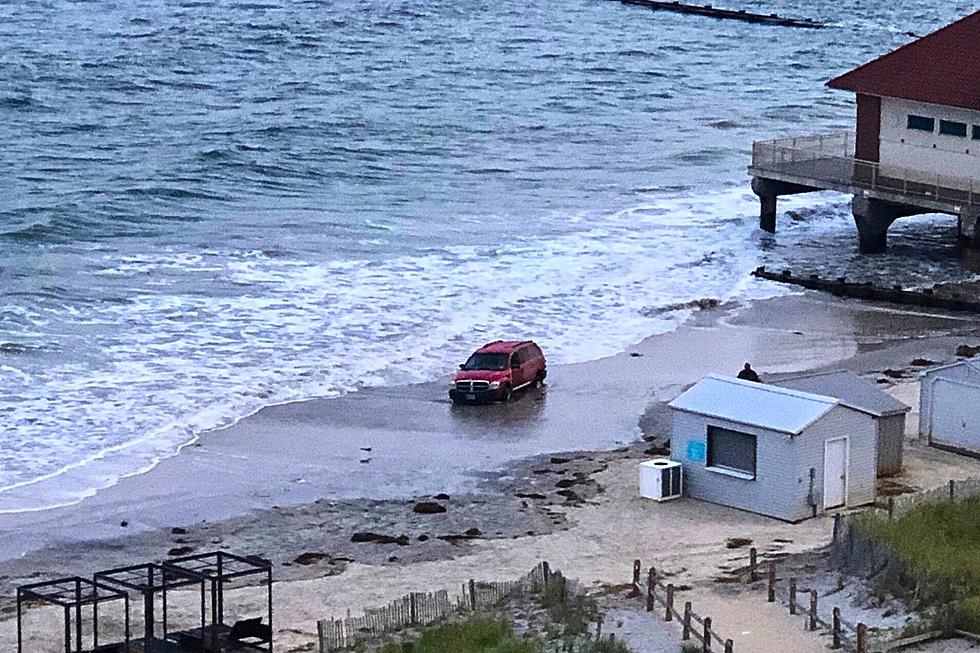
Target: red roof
pixel 941 68
pixel 501 346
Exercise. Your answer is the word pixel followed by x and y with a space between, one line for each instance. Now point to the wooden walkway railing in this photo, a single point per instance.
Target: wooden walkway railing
pixel 704 634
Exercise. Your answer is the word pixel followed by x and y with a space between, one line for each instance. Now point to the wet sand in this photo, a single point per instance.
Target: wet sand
pixel 299 478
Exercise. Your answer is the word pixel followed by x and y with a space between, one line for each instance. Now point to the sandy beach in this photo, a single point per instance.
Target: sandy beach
pixel 304 478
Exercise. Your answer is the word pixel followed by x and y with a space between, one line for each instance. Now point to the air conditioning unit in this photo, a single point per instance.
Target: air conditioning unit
pixel 660 479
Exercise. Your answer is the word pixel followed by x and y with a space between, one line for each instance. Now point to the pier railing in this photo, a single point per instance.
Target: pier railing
pixel 828 161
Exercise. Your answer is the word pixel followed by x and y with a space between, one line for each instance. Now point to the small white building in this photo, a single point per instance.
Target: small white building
pixel 770 450
pixel 949 406
pixel 859 393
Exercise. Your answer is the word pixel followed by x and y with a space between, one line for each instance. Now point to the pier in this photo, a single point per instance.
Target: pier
pixel 729 14
pixel 882 193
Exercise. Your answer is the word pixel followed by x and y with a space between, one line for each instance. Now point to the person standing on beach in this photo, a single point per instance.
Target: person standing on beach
pixel 748 374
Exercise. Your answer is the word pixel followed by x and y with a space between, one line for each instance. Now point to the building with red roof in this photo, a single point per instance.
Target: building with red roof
pixel 916 146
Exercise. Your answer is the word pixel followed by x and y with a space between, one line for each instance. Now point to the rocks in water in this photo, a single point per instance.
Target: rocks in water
pixel 377 538
pixel 530 495
pixel 176 530
pixel 180 551
pixel 737 542
pixel 441 497
pixel 895 374
pixel 923 362
pixel 423 538
pixel 428 508
pixel 569 482
pixel 570 496
pixel 474 532
pixel 556 460
pixel 966 351
pixel 310 558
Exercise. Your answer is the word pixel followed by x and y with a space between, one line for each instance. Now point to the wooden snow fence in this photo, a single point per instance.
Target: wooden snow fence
pixel 422 609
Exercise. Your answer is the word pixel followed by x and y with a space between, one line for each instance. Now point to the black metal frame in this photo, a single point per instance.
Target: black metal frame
pixel 142 579
pixel 68 593
pixel 219 568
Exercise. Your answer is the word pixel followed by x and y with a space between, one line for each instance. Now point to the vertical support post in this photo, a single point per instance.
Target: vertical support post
pixel 413 608
pixel 95 625
pixel 221 590
pixel 126 629
pixel 271 629
pixel 891 508
pixel 545 573
pixel 838 520
pixel 687 621
pixel 20 623
pixel 636 578
pixel 772 581
pixel 669 612
pixel 651 588
pixel 472 588
pixel 752 562
pixel 813 610
pixel 767 214
pixel 862 639
pixel 706 643
pixel 792 596
pixel 67 629
pixel 729 646
pixel 836 631
pixel 952 490
pixel 78 614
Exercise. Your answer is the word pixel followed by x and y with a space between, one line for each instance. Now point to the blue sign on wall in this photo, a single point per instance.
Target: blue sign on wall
pixel 696 451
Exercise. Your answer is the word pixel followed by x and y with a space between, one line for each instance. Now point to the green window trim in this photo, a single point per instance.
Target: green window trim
pixel 921 123
pixel 952 128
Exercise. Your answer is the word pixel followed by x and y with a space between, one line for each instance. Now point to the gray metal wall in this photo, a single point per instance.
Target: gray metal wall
pixel 783 464
pixel 891 439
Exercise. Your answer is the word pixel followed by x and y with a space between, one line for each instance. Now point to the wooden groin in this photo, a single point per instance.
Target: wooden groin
pixel 841 287
pixel 727 14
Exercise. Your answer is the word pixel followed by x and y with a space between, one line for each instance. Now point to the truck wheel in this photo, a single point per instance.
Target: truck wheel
pixel 508 393
pixel 539 380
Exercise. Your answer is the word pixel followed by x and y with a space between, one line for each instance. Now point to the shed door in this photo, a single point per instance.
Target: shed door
pixel 835 473
pixel 954 415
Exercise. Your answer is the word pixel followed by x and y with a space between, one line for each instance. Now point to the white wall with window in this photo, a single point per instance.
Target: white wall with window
pixel 930 138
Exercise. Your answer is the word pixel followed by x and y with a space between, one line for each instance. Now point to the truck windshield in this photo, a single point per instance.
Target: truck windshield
pixel 494 362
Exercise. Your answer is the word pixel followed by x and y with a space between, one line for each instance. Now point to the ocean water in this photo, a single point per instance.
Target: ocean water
pixel 211 207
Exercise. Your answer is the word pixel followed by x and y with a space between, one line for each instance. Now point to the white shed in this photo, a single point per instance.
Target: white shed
pixel 859 393
pixel 771 450
pixel 949 406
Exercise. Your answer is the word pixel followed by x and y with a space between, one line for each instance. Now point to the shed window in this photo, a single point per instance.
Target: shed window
pixel 731 450
pixel 922 123
pixel 976 132
pixel 951 128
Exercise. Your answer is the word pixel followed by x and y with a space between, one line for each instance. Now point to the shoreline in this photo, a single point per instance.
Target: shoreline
pixel 265 485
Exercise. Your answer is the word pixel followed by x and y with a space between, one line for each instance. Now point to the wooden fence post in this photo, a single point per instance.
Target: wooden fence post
pixel 862 638
pixel 687 621
pixel 669 613
pixel 813 609
pixel 472 588
pixel 772 581
pixel 706 644
pixel 413 608
pixel 321 636
pixel 752 560
pixel 651 588
pixel 836 633
pixel 891 508
pixel 636 579
pixel 545 573
pixel 729 646
pixel 792 595
pixel 952 490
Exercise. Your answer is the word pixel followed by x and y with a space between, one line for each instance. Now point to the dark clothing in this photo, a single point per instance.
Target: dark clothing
pixel 749 375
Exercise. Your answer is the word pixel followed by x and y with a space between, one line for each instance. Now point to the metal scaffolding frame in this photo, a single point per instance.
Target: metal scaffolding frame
pixel 71 594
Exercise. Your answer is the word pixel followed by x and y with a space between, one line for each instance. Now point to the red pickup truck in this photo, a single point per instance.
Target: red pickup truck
pixel 498 369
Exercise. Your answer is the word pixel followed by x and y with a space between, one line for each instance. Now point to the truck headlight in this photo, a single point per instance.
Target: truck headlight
pixel 494 385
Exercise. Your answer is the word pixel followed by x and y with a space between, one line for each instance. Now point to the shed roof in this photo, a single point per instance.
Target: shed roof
pixel 852 391
pixel 971 364
pixel 755 404
pixel 940 68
